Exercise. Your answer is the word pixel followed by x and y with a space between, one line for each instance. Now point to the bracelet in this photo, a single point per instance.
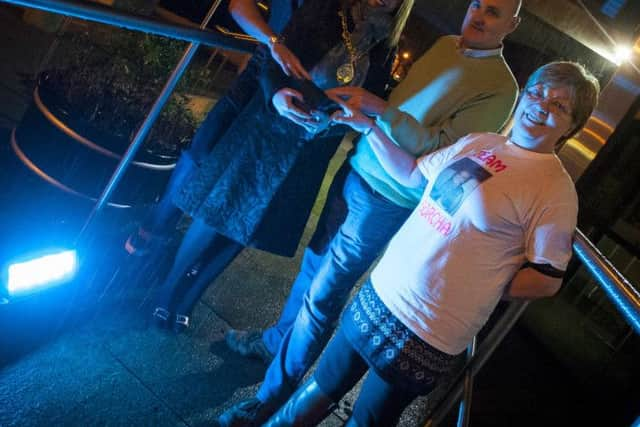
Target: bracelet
pixel 368 131
pixel 273 40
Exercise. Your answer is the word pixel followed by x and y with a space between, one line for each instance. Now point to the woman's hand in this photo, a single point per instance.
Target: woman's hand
pixel 283 102
pixel 288 61
pixel 359 99
pixel 398 163
pixel 350 116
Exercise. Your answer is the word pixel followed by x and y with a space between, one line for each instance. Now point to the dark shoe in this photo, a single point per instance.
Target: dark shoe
pixel 181 323
pixel 247 413
pixel 248 344
pixel 307 407
pixel 161 317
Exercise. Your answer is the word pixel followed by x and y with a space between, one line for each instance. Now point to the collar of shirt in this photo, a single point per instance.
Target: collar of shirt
pixel 478 53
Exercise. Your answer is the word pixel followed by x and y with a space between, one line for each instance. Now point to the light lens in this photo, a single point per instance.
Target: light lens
pixel 42 272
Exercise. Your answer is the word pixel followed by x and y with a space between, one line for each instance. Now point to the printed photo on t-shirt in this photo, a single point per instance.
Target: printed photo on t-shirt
pixel 456 182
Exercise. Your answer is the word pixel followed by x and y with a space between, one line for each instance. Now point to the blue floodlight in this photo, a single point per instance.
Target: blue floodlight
pixel 42 272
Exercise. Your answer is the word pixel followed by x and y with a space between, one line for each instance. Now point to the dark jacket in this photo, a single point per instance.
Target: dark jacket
pixel 259 183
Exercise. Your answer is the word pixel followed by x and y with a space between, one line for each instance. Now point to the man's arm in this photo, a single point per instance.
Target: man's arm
pixel 484 115
pixel 247 15
pixel 530 283
pixel 402 166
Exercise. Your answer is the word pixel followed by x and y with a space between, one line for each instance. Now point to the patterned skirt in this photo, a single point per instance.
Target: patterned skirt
pixel 396 354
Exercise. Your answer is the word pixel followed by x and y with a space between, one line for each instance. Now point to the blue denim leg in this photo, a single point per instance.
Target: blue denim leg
pixel 379 403
pixel 332 217
pixel 370 223
pixel 164 215
pixel 340 367
pixel 272 336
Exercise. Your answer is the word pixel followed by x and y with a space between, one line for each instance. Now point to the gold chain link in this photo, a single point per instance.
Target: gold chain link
pixel 346 37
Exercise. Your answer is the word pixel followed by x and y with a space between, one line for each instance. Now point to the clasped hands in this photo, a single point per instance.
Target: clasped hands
pixel 358 105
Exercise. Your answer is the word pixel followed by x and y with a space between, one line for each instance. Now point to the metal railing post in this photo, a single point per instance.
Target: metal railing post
pixel 485 350
pixel 625 297
pixel 106 15
pixel 464 410
pixel 148 122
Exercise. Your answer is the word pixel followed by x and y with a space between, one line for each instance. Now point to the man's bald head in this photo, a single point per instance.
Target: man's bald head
pixel 488 22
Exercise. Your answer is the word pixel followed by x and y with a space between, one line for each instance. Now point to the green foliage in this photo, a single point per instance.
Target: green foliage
pixel 111 77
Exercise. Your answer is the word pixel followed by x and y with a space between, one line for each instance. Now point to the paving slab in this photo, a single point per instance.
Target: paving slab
pixel 76 381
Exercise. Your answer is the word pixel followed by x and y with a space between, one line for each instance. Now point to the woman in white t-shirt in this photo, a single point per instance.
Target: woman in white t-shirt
pixel 506 232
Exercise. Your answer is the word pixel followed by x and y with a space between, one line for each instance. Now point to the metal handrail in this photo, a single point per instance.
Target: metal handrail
pixel 464 410
pixel 106 15
pixel 48 178
pixel 75 136
pixel 147 124
pixel 473 366
pixel 101 14
pixel 624 296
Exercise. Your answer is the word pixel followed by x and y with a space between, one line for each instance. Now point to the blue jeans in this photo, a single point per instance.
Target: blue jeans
pixel 370 223
pixel 380 403
pixel 164 215
pixel 332 216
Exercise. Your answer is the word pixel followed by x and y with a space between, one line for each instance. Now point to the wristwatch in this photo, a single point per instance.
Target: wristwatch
pixel 273 40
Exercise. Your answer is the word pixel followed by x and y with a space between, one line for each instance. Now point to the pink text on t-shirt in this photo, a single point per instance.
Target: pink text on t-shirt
pixel 491 161
pixel 435 218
